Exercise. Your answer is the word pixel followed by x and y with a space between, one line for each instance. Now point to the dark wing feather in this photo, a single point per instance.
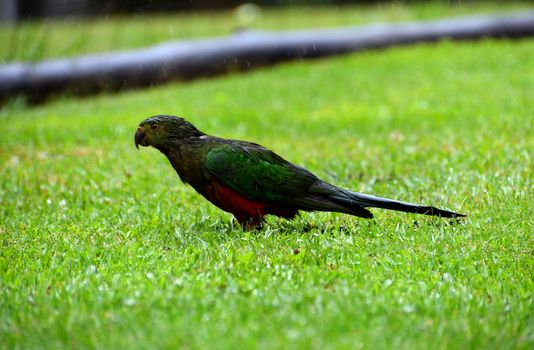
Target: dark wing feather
pixel 258 173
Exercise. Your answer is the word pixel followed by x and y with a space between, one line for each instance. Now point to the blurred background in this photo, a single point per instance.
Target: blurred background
pixel 31 30
pixel 36 30
pixel 12 11
pixel 15 10
pixel 95 25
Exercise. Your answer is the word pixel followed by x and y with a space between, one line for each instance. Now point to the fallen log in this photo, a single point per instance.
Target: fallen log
pixel 241 51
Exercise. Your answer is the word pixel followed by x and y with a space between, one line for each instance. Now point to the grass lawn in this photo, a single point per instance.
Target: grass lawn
pixel 33 41
pixel 103 247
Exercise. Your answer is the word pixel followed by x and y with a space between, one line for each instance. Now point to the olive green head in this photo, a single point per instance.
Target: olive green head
pixel 160 130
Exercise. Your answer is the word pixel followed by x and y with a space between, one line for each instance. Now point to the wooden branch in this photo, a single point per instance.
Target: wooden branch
pixel 241 51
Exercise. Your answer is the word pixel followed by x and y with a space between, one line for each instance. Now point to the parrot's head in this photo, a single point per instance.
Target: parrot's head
pixel 161 131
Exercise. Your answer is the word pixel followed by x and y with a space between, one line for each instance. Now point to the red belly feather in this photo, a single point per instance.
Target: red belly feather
pixel 235 203
pixel 246 211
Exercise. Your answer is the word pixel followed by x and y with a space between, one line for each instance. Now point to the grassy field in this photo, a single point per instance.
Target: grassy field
pixel 104 247
pixel 33 41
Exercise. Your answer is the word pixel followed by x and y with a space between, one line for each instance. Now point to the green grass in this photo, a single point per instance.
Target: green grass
pixel 32 41
pixel 104 247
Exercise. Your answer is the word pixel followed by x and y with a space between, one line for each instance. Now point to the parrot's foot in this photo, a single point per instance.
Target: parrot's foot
pixel 250 223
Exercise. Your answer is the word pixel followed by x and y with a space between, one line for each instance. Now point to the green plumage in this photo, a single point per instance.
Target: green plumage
pixel 257 172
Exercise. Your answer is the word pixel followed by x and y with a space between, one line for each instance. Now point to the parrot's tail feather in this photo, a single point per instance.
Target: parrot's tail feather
pixel 359 200
pixel 320 203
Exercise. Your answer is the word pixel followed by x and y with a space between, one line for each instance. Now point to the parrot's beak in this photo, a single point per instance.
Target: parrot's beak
pixel 139 137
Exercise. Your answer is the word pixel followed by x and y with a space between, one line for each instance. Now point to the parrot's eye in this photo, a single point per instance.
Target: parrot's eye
pixel 154 126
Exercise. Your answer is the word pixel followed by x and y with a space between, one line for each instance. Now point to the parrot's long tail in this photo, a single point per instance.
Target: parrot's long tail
pixel 355 202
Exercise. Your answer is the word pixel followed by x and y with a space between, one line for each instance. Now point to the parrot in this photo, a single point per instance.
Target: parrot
pixel 250 181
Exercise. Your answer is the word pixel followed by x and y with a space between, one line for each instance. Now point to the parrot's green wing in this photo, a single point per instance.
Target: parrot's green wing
pixel 258 173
